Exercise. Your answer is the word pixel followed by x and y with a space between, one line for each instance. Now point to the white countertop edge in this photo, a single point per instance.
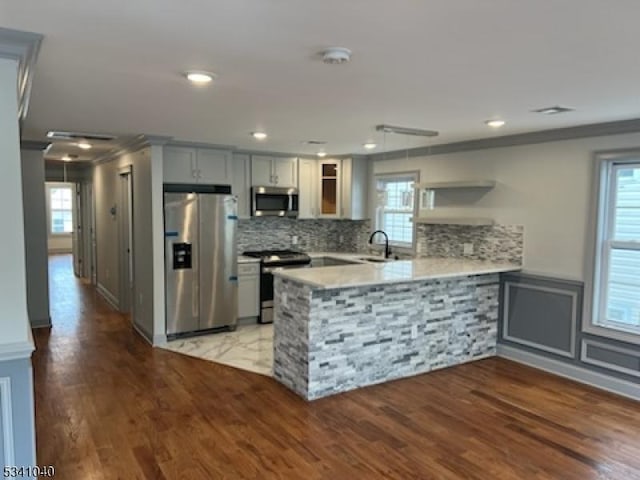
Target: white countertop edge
pixel 243 259
pixel 489 268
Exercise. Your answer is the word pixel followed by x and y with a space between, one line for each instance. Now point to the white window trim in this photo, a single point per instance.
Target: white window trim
pixel 48 187
pixel 396 247
pixel 596 261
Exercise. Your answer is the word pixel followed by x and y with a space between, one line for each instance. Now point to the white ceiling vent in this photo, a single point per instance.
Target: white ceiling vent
pixel 336 55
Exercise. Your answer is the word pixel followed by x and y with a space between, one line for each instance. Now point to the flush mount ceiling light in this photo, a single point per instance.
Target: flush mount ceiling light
pixel 495 123
pixel 322 154
pixel 259 135
pixel 406 131
pixel 553 110
pixel 84 145
pixel 369 145
pixel 199 77
pixel 336 55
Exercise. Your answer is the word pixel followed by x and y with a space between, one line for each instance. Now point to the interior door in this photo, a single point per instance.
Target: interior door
pixel 181 262
pixel 218 261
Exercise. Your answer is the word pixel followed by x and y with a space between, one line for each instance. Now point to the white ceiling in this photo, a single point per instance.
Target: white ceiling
pixel 115 66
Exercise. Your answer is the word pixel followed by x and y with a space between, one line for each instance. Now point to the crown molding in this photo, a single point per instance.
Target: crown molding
pixel 541 136
pixel 130 145
pixel 23 47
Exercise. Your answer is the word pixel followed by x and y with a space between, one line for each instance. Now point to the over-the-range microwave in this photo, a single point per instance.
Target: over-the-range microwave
pixel 274 202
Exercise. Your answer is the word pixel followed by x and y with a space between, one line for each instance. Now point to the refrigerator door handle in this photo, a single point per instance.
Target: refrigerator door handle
pixel 195 301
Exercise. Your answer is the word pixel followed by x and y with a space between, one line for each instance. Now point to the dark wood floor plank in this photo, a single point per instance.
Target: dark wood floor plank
pixel 108 406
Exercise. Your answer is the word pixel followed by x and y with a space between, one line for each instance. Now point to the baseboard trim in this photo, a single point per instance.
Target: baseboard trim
pixel 108 296
pixel 41 323
pixel 142 333
pixel 573 372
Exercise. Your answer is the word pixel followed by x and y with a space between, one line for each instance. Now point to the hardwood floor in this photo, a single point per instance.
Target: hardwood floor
pixel 108 406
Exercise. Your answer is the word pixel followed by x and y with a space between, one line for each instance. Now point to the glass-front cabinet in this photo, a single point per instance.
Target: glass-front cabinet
pixel 330 188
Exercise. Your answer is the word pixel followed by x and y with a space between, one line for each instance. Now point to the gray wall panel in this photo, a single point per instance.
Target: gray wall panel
pixel 534 318
pixel 541 317
pixel 19 376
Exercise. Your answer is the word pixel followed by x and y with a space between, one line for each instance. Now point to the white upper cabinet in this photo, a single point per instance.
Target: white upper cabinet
pixel 354 188
pixel 274 171
pixel 241 186
pixel 197 165
pixel 307 188
pixel 179 165
pixel 214 166
pixel 286 172
pixel 261 171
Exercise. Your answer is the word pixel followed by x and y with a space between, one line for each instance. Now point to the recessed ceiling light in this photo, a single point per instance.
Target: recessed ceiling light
pixel 84 145
pixel 370 145
pixel 322 154
pixel 336 55
pixel 553 110
pixel 259 135
pixel 200 78
pixel 495 123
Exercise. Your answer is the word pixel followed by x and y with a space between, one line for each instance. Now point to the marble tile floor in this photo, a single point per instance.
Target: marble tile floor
pixel 249 347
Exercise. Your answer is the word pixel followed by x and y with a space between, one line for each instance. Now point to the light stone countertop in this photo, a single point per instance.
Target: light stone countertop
pixel 392 272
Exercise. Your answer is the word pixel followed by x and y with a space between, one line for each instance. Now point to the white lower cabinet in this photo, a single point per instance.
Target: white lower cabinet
pixel 248 290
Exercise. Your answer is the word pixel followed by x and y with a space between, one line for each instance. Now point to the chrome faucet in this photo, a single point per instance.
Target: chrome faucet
pixel 387 250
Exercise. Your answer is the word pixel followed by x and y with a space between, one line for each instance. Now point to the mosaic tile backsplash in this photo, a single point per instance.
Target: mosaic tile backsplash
pixel 498 243
pixel 313 235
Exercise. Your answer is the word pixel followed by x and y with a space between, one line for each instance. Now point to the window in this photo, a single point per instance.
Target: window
pixel 617 282
pixel 396 207
pixel 60 209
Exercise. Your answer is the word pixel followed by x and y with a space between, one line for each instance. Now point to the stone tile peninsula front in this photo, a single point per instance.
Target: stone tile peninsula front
pixel 345 327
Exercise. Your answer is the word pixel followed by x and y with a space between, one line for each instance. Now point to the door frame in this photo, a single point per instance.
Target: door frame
pixel 125 239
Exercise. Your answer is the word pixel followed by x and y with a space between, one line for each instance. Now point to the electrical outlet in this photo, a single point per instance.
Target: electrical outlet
pixel 414 332
pixel 294 240
pixel 467 248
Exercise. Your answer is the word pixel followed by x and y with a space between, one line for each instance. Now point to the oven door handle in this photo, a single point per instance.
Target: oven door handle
pixel 271 269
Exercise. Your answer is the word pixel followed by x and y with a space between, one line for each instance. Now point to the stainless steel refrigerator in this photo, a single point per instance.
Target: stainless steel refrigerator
pixel 201 261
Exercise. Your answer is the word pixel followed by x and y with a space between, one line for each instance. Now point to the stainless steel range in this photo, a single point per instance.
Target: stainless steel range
pixel 271 260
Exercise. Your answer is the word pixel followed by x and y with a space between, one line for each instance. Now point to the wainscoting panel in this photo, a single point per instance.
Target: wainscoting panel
pixel 7 454
pixel 543 317
pixel 611 357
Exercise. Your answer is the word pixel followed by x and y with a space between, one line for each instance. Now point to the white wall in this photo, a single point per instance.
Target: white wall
pixel 35 231
pixel 545 187
pixel 106 185
pixel 14 322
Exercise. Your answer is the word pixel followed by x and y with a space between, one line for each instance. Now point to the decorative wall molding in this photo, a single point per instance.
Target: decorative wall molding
pixel 571 371
pixel 571 352
pixel 6 421
pixel 108 296
pixel 23 47
pixel 584 357
pixel 16 351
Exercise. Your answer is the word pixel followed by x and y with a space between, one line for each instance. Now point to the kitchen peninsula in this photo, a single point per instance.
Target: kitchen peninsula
pixel 344 327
